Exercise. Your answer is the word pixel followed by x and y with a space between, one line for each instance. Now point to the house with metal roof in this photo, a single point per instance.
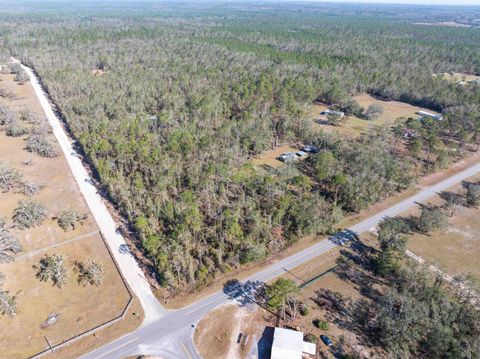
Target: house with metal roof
pixel 289 344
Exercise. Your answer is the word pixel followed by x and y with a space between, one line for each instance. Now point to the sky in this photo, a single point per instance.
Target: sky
pixel 429 2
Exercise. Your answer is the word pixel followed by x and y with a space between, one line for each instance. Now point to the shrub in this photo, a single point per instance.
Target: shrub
pixel 6 115
pixel 304 310
pixel 473 194
pixel 9 245
pixel 42 144
pixel 30 188
pixel 321 324
pixel 311 338
pixel 8 304
pixel 53 267
pixel 90 273
pixel 69 219
pixel 431 219
pixel 21 77
pixel 373 112
pixel 9 178
pixel 15 128
pixel 29 214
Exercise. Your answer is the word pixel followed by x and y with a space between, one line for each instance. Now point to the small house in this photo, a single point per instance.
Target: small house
pixel 289 344
pixel 332 112
pixel 288 157
pixel 433 116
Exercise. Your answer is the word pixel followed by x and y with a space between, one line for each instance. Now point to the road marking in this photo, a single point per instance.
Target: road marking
pixel 118 347
pixel 186 350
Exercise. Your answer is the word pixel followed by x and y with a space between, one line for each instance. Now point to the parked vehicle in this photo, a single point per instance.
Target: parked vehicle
pixel 310 149
pixel 326 340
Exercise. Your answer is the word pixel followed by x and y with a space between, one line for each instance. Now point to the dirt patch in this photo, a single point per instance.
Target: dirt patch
pixel 80 308
pixel 97 72
pixel 232 332
pixel 457 77
pixel 270 158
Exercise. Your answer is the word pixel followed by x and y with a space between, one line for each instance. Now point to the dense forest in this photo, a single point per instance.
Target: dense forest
pixel 170 103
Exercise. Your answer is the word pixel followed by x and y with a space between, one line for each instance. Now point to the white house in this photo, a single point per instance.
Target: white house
pixel 289 344
pixel 430 115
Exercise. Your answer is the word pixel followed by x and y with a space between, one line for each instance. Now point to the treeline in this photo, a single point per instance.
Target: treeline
pixel 176 107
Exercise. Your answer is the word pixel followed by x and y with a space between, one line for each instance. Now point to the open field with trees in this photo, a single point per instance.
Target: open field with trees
pixel 185 101
pixel 58 278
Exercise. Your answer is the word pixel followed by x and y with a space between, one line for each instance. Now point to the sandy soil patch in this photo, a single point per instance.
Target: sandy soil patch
pixel 217 335
pixel 270 158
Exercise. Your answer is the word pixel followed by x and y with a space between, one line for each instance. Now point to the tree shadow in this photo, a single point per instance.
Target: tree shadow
pixel 244 292
pixel 342 237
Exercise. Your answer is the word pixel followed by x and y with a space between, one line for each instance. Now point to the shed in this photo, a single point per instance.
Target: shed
pixel 430 115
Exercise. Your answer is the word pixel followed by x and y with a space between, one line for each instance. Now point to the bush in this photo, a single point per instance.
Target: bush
pixel 21 77
pixel 473 194
pixel 304 310
pixel 29 214
pixel 69 219
pixel 30 188
pixel 311 338
pixel 9 178
pixel 431 219
pixel 42 144
pixel 8 304
pixel 9 245
pixel 90 273
pixel 373 112
pixel 321 324
pixel 53 267
pixel 6 115
pixel 15 128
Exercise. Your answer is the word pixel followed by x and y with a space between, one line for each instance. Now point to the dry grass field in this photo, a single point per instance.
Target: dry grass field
pixel 455 250
pixel 80 307
pixel 457 77
pixel 354 126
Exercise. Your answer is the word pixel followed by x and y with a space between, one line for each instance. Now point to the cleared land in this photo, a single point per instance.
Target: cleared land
pixel 80 307
pixel 457 77
pixel 455 250
pixel 270 158
pixel 354 126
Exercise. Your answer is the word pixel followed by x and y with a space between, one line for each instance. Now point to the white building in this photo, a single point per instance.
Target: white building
pixel 289 344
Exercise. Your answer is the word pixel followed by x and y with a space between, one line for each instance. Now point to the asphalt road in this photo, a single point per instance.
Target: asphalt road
pixel 171 336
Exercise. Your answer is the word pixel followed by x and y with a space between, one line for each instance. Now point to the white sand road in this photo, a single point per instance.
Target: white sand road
pixel 169 334
pixel 129 267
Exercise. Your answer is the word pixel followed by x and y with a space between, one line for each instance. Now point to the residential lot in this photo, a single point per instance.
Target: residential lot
pixel 79 306
pixel 455 250
pixel 354 126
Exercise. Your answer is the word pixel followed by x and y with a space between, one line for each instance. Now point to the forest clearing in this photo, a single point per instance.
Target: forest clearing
pixel 77 306
pixel 352 125
pixel 458 77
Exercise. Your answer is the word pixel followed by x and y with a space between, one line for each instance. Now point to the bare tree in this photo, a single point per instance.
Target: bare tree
pixel 29 214
pixel 9 245
pixel 15 128
pixel 69 219
pixel 52 267
pixel 30 188
pixel 8 304
pixel 9 178
pixel 90 272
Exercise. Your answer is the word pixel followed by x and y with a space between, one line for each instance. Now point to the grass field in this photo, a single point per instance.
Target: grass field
pixel 354 126
pixel 455 250
pixel 80 307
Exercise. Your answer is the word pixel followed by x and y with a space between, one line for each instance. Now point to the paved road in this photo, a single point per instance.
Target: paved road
pixel 171 336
